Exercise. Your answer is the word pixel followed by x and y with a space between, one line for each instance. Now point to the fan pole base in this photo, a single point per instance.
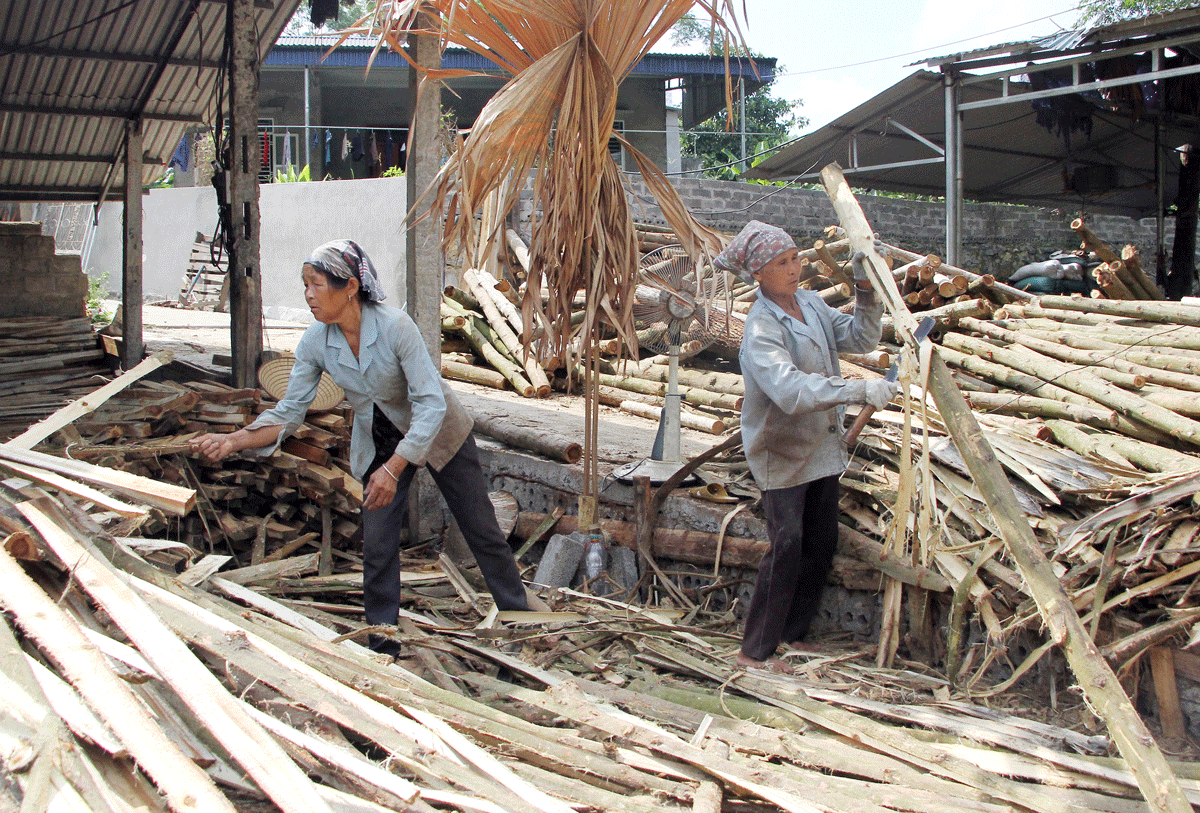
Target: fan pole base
pixel 659 471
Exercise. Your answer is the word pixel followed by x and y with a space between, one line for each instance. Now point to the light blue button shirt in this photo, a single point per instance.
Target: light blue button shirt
pixel 393 371
pixel 794 406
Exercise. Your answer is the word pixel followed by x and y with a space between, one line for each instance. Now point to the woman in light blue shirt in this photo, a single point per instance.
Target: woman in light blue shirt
pixel 792 416
pixel 405 417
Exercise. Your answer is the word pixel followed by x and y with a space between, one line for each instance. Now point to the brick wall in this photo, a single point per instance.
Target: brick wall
pixel 36 281
pixel 997 238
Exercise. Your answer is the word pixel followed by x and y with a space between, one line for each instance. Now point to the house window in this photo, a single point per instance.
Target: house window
pixel 615 148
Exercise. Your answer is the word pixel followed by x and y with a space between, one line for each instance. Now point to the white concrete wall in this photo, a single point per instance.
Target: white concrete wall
pixel 296 218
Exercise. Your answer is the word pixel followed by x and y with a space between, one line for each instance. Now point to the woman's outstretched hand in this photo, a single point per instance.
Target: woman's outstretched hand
pixel 213 447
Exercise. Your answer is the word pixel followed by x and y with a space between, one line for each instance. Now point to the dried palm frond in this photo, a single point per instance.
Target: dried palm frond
pixel 554 120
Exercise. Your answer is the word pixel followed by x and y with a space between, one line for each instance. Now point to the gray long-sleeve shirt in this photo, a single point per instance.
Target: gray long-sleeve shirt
pixel 794 406
pixel 393 371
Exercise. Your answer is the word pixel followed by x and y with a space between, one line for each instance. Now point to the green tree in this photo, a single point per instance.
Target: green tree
pixel 717 141
pixel 1102 12
pixel 348 13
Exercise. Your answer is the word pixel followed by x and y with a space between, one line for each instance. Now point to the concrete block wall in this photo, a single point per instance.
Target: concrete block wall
pixel 36 281
pixel 997 238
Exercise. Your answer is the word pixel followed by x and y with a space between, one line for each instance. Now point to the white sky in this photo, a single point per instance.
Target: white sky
pixel 836 54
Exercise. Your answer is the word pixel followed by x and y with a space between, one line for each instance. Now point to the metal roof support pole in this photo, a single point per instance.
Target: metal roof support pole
pixel 245 294
pixel 1160 215
pixel 307 121
pixel 953 169
pixel 131 267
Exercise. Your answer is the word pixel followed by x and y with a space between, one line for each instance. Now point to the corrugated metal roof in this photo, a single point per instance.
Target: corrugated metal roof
pixel 355 51
pixel 1007 155
pixel 1051 45
pixel 72 74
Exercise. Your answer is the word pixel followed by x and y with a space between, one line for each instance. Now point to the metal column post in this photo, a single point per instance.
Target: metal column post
pixel 307 122
pixel 131 272
pixel 245 294
pixel 953 170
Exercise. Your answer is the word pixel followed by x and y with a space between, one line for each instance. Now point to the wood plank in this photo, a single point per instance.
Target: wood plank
pixel 246 741
pixel 184 784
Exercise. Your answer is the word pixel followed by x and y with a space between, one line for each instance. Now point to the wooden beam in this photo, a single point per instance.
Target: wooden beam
pixel 245 157
pixel 131 273
pixel 1157 781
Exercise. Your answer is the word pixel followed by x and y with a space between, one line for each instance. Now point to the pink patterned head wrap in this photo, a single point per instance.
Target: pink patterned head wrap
pixel 756 245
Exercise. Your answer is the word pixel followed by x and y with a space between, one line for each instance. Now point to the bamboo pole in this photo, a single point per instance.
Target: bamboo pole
pixel 471 330
pixel 1158 783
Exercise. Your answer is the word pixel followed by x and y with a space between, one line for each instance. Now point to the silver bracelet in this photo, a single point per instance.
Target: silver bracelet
pixel 389 471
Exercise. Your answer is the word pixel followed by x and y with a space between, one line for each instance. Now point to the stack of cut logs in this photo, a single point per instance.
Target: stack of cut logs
pixel 1117 277
pixel 253 508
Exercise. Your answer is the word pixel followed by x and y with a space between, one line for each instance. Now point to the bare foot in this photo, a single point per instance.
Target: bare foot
pixel 770 664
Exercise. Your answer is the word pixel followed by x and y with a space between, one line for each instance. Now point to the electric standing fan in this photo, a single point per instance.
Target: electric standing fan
pixel 679 309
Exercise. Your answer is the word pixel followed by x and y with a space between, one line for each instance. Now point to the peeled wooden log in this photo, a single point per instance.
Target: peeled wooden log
pixel 1007 403
pixel 877 359
pixel 826 258
pixel 1129 256
pixel 1128 404
pixel 835 295
pixel 460 371
pixel 518 248
pixel 1129 279
pixel 488 352
pixel 537 376
pixel 1006 290
pixel 1168 312
pixel 1090 358
pixel 1110 283
pixel 535 440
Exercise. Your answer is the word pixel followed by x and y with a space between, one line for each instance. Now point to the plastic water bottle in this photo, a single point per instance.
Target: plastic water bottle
pixel 593 555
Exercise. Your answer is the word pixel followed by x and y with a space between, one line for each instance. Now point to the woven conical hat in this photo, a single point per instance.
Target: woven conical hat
pixel 273 377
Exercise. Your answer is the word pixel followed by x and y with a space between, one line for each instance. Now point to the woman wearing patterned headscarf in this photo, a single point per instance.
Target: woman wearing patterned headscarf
pixel 405 417
pixel 792 416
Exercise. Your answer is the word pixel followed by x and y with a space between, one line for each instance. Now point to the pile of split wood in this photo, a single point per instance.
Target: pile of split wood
pixel 44 363
pixel 225 691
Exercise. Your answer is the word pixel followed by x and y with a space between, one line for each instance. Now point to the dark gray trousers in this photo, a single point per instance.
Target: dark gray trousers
pixel 464 488
pixel 802 525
